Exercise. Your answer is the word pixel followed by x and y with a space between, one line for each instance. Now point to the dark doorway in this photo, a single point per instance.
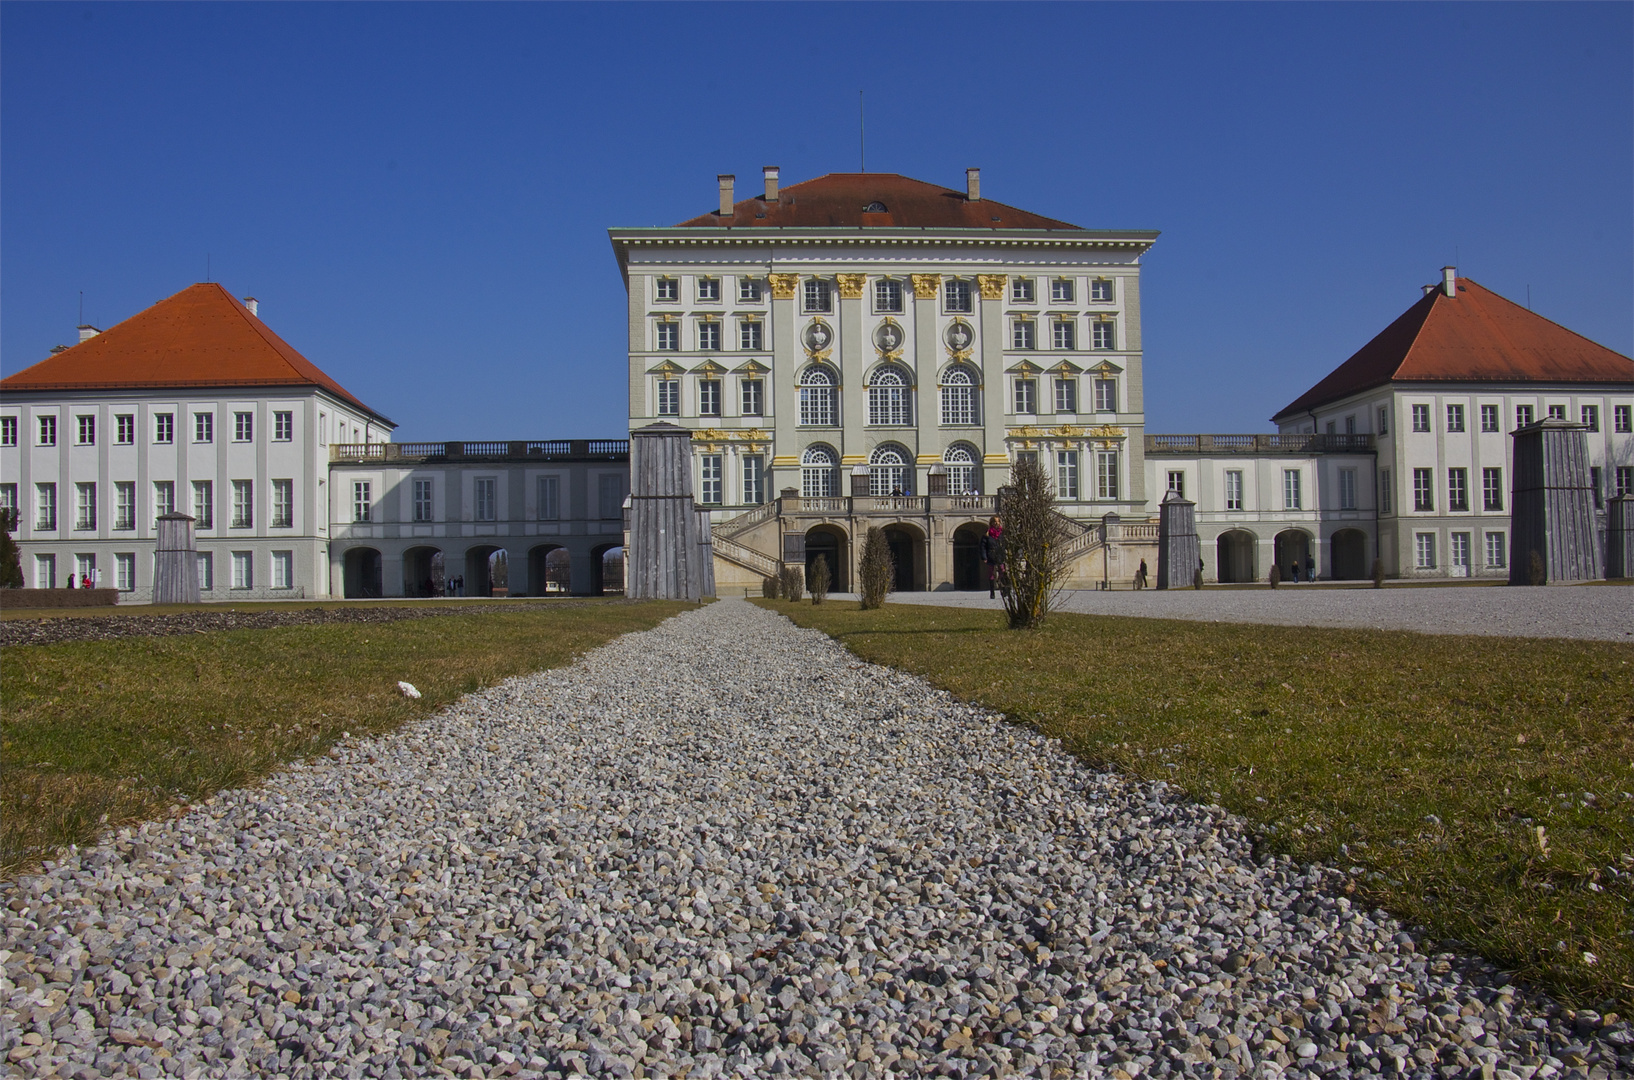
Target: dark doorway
pixel 905 547
pixel 422 572
pixel 1292 549
pixel 968 572
pixel 362 574
pixel 544 577
pixel 607 570
pixel 1349 561
pixel 486 572
pixel 1234 557
pixel 830 544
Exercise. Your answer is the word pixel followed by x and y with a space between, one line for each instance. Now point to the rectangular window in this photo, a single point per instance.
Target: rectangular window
pixel 1489 418
pixel 243 570
pixel 1384 491
pixel 8 431
pixel 48 431
pixel 243 427
pixel 749 290
pixel 1458 489
pixel 124 504
pixel 1350 425
pixel 1625 479
pixel 1100 290
pixel 1332 427
pixel 1061 290
pixel 1021 290
pixel 204 427
pixel 709 397
pixel 754 480
pixel 888 296
pixel 709 476
pixel 164 427
pixel 1622 421
pixel 709 337
pixel 86 571
pixel 283 569
pixel 749 335
pixel 1591 417
pixel 709 288
pixel 1291 495
pixel 1594 486
pixel 1557 412
pixel 956 295
pixel 1421 418
pixel 283 504
pixel 1066 474
pixel 550 498
pixel 1460 553
pixel 1177 482
pixel 1021 334
pixel 1106 395
pixel 164 497
pixel 1066 395
pixel 283 426
pixel 1027 396
pixel 243 504
pixel 1523 415
pixel 666 288
pixel 87 430
pixel 423 505
pixel 8 506
pixel 1492 489
pixel 362 501
pixel 669 397
pixel 45 571
pixel 203 505
pixel 1233 490
pixel 1495 551
pixel 1106 474
pixel 485 499
pixel 124 429
pixel 1423 489
pixel 610 495
pixel 667 337
pixel 124 571
pixel 1101 334
pixel 1064 334
pixel 1424 551
pixel 1347 489
pixel 1455 418
pixel 84 506
pixel 1384 419
pixel 752 395
pixel 817 297
pixel 45 516
pixel 207 571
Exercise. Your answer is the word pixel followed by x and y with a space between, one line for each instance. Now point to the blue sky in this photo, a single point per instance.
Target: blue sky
pixel 419 194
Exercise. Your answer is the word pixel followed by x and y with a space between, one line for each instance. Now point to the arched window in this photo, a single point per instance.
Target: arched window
pixel 959 396
pixel 819 472
pixel 890 471
pixel 817 397
pixel 961 459
pixel 890 401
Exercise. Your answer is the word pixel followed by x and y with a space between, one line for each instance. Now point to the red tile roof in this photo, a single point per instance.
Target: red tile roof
pixel 201 337
pixel 839 199
pixel 1477 336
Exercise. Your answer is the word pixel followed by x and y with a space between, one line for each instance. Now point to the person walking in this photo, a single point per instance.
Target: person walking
pixel 1140 575
pixel 993 555
pixel 1310 568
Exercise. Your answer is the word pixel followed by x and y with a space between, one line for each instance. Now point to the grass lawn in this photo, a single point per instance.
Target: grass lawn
pixel 1478 787
pixel 102 733
pixel 297 605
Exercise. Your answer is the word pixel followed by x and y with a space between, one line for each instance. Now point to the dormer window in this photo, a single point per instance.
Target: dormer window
pixel 875 207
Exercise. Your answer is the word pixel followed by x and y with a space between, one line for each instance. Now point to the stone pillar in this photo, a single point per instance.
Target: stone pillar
pixel 1178 549
pixel 176 570
pixel 665 546
pixel 1620 537
pixel 1552 512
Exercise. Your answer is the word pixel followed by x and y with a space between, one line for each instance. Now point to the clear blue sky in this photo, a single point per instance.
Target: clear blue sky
pixel 419 194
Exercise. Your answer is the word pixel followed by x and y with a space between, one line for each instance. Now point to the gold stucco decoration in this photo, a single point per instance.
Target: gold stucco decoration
pixel 991 285
pixel 783 285
pixel 926 285
pixel 850 285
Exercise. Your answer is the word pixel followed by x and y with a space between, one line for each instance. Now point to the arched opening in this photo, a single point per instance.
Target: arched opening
pixel 907 552
pixel 829 542
pixel 1234 557
pixel 1293 554
pixel 961 460
pixel 550 570
pixel 818 397
pixel 361 578
pixel 890 396
pixel 422 572
pixel 968 572
pixel 487 572
pixel 607 570
pixel 960 392
pixel 819 472
pixel 890 472
pixel 1349 559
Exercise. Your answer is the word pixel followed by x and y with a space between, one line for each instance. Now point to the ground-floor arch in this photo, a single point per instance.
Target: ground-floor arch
pixel 1234 557
pixel 1348 558
pixel 607 570
pixel 361 576
pixel 423 571
pixel 1294 553
pixel 968 572
pixel 487 571
pixel 907 545
pixel 831 543
pixel 550 570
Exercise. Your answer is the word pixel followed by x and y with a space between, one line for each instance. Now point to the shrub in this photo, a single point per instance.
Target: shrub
pixel 1034 546
pixel 878 569
pixel 769 587
pixel 1276 575
pixel 819 579
pixel 1378 573
pixel 1536 572
pixel 11 565
pixel 1197 578
pixel 793 585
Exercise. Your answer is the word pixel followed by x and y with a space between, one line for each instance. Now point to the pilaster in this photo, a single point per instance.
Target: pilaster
pixel 784 468
pixel 852 363
pixel 993 474
pixel 927 363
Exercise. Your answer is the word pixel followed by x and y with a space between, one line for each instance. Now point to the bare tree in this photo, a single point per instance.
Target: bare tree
pixel 1035 546
pixel 878 569
pixel 819 579
pixel 793 583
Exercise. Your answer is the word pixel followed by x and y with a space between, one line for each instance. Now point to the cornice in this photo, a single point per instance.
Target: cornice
pixel 872 236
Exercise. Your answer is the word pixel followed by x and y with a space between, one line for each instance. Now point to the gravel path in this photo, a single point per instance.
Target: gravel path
pixel 1589 612
pixel 727 847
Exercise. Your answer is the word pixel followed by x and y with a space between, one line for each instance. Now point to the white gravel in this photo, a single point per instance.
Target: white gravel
pixel 727 847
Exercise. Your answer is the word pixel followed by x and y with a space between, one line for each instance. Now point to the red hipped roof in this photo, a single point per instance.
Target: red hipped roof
pixel 1476 336
pixel 201 337
pixel 841 199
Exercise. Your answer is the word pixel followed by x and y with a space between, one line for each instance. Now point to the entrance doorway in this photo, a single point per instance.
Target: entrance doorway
pixel 906 552
pixel 968 572
pixel 422 572
pixel 549 570
pixel 487 572
pixel 1293 550
pixel 361 574
pixel 607 570
pixel 829 542
pixel 1234 557
pixel 1349 561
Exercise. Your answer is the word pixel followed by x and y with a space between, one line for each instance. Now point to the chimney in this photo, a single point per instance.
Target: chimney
pixel 973 185
pixel 1449 280
pixel 726 193
pixel 1428 289
pixel 771 183
pixel 87 332
pixel 254 305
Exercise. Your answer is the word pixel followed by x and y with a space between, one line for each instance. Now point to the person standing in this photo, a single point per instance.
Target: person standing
pixel 993 555
pixel 1310 568
pixel 1140 575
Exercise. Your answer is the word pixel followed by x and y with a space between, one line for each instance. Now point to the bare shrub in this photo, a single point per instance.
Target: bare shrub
pixel 1378 573
pixel 793 583
pixel 1035 544
pixel 878 569
pixel 819 579
pixel 770 586
pixel 1536 572
pixel 1275 577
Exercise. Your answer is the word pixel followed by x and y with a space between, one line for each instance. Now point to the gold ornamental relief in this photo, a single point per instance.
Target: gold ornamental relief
pixel 991 285
pixel 851 285
pixel 783 285
pixel 1107 431
pixel 926 285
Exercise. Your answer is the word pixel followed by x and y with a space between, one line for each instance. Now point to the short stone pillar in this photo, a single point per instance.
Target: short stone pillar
pixel 860 481
pixel 176 565
pixel 667 554
pixel 936 480
pixel 1178 550
pixel 1552 513
pixel 1620 537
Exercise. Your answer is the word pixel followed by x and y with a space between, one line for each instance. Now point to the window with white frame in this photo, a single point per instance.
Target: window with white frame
pixel 960 461
pixel 817 297
pixel 1021 334
pixel 1384 491
pixel 890 399
pixel 958 395
pixel 87 430
pixel 709 289
pixel 8 431
pixel 45 571
pixel 164 427
pixel 1622 420
pixel 1384 419
pixel 485 498
pixel 1350 424
pixel 666 337
pixel 243 570
pixel 1066 474
pixel 1460 551
pixel 819 473
pixel 749 290
pixel 752 397
pixel 1027 455
pixel 1026 396
pixel 709 397
pixel 1291 495
pixel 86 571
pixel 1423 489
pixel 890 471
pixel 1557 412
pixel 1106 474
pixel 818 399
pixel 1523 415
pixel 1100 290
pixel 124 571
pixel 48 430
pixel 85 506
pixel 1624 477
pixel 1066 394
pixel 1455 418
pixel 243 504
pixel 204 504
pixel 754 479
pixel 1489 418
pixel 1102 334
pixel 1022 290
pixel 1457 489
pixel 207 570
pixel 124 429
pixel 956 296
pixel 283 569
pixel 1421 418
pixel 1106 395
pixel 1063 334
pixel 549 491
pixel 1061 290
pixel 423 503
pixel 709 479
pixel 362 501
pixel 164 497
pixel 1347 489
pixel 610 491
pixel 1424 550
pixel 751 335
pixel 124 504
pixel 669 397
pixel 888 296
pixel 709 337
pixel 666 288
pixel 1233 489
pixel 9 512
pixel 283 426
pixel 1177 482
pixel 45 504
pixel 1492 489
pixel 1495 545
pixel 1594 486
pixel 243 427
pixel 283 504
pixel 204 427
pixel 1591 417
pixel 1332 427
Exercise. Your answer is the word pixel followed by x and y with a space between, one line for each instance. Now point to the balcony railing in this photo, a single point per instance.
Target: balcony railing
pixel 536 450
pixel 1259 444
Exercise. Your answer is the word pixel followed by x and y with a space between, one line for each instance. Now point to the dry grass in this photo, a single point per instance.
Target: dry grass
pixel 1478 787
pixel 102 733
